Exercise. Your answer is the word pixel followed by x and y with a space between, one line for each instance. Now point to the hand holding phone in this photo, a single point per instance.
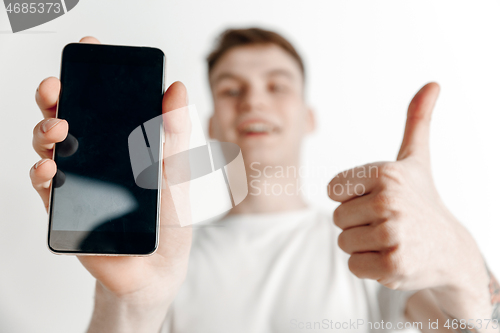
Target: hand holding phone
pixel 151 281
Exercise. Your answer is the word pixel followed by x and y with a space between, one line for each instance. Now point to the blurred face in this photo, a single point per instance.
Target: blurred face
pixel 258 96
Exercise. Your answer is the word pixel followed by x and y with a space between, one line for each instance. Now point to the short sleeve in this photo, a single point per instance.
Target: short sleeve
pixel 392 304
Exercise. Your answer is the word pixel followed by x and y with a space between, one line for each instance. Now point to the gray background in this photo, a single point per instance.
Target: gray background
pixel 365 60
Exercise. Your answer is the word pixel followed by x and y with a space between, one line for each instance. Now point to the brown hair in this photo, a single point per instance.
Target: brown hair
pixel 231 38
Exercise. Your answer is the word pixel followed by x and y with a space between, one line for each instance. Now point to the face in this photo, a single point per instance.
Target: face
pixel 259 104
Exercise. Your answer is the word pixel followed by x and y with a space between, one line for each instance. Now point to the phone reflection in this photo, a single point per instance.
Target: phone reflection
pixel 94 209
pixel 65 148
pixel 85 205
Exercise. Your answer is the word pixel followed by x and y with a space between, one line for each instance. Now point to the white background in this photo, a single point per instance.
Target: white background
pixel 365 60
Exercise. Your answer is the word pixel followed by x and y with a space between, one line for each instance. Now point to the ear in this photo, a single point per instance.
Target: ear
pixel 310 120
pixel 211 127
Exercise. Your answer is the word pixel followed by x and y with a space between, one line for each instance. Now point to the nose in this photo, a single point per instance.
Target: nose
pixel 252 100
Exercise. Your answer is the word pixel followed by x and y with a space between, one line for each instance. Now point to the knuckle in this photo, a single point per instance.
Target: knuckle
pixel 383 235
pixel 393 265
pixel 391 173
pixel 384 204
pixel 386 234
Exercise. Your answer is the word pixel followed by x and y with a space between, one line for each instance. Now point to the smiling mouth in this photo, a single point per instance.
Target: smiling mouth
pixel 257 129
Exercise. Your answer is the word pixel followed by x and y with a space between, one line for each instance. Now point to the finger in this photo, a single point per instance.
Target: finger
pixel 366 238
pixel 176 120
pixel 416 137
pixel 46 96
pixel 46 133
pixel 366 265
pixel 174 240
pixel 90 40
pixel 383 266
pixel 355 212
pixel 47 93
pixel 354 182
pixel 41 175
pixel 177 127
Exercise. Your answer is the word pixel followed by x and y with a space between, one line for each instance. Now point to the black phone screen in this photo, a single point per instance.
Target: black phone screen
pixel 96 206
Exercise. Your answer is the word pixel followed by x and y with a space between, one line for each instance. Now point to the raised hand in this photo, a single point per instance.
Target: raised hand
pixel 395 226
pixel 149 282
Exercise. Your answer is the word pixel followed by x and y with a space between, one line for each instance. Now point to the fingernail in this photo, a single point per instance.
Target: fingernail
pixel 49 123
pixel 40 162
pixel 187 98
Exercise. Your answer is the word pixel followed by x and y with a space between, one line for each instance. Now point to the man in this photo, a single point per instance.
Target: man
pixel 273 263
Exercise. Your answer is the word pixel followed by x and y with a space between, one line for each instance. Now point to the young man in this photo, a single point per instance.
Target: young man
pixel 273 264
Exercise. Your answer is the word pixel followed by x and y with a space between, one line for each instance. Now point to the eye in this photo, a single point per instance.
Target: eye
pixel 278 88
pixel 231 92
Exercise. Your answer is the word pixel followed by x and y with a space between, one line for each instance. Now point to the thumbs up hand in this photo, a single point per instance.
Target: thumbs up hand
pixel 395 227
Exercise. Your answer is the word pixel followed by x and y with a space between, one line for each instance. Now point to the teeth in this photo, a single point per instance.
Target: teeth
pixel 257 128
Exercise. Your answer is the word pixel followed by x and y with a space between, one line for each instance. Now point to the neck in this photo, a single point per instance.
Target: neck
pixel 271 189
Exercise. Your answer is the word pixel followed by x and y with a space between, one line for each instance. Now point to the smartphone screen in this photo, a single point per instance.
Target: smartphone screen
pixel 96 207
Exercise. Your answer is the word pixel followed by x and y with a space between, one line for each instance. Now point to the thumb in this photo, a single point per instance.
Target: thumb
pixel 416 137
pixel 175 115
pixel 174 241
pixel 177 131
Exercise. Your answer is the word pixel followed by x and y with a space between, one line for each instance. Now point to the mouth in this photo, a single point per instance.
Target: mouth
pixel 257 128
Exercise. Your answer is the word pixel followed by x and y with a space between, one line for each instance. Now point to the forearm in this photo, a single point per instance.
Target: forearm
pixel 144 314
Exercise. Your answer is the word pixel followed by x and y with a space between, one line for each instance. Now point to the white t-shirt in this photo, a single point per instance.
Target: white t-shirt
pixel 279 272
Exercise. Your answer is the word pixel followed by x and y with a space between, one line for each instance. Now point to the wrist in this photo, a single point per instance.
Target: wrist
pixel 465 267
pixel 464 291
pixel 138 312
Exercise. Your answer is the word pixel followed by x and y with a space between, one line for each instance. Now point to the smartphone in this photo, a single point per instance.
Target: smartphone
pixel 96 207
